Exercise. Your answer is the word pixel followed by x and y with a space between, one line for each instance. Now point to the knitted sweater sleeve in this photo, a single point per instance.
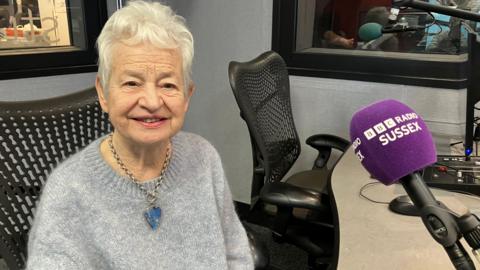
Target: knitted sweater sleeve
pixel 236 241
pixel 55 240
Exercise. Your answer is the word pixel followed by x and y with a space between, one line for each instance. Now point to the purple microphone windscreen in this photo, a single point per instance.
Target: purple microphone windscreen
pixel 391 140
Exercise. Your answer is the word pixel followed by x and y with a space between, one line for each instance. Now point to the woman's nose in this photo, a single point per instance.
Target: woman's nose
pixel 151 99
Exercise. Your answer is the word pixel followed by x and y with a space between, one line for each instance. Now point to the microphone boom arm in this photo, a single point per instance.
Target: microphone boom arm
pixel 458 13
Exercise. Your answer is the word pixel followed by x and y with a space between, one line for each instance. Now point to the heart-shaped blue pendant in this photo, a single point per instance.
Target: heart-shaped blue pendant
pixel 152 216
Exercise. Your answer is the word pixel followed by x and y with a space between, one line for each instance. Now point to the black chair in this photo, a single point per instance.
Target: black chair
pixel 303 213
pixel 34 137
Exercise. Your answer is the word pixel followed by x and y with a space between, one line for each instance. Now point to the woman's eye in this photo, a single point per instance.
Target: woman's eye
pixel 131 83
pixel 169 86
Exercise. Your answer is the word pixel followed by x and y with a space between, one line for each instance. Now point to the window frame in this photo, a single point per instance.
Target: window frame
pixel 22 63
pixel 329 63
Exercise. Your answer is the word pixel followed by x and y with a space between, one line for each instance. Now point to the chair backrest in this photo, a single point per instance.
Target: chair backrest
pixel 34 137
pixel 262 91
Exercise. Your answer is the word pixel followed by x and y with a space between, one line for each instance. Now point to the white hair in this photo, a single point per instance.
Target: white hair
pixel 144 22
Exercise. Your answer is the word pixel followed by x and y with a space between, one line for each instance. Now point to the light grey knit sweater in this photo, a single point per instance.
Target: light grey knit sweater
pixel 89 217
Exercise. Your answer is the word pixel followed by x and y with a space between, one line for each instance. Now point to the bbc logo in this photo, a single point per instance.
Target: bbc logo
pixel 379 128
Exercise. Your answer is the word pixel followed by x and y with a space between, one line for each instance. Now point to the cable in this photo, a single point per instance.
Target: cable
pixel 433 22
pixel 370 184
pixel 455 143
pixel 367 185
pixel 440 29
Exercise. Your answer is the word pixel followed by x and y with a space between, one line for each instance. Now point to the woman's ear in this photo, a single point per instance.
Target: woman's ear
pixel 190 91
pixel 101 95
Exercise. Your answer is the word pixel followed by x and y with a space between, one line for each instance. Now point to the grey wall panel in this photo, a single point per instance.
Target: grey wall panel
pixel 224 31
pixel 44 87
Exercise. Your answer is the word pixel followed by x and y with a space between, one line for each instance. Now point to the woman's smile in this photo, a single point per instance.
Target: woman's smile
pixel 151 122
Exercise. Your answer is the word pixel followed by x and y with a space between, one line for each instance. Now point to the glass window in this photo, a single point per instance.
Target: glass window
pixel 40 24
pixel 345 24
pixel 374 40
pixel 46 37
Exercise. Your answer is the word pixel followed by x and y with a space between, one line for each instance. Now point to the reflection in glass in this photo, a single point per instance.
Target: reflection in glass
pixel 374 25
pixel 41 24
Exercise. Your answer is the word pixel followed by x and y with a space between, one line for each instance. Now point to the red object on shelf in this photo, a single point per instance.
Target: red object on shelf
pixel 442 168
pixel 10 32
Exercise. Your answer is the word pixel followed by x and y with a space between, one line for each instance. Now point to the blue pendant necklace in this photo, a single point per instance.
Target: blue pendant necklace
pixel 153 213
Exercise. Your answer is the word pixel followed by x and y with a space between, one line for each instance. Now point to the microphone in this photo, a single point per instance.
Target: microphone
pixel 371 34
pixel 370 31
pixel 393 143
pixel 391 140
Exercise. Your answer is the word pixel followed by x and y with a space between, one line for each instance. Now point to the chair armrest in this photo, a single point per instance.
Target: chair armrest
pixel 326 140
pixel 324 144
pixel 283 194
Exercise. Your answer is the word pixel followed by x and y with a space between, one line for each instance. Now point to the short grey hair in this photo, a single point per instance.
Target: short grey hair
pixel 144 22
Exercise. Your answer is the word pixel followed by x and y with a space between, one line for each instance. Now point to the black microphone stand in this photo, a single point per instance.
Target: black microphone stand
pixel 470 228
pixel 439 221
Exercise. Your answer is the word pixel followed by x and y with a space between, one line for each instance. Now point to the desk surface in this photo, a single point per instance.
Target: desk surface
pixel 372 237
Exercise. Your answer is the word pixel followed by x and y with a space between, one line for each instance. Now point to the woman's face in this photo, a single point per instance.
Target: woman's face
pixel 146 99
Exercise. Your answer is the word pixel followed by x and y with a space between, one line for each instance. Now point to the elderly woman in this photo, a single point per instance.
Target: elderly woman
pixel 147 196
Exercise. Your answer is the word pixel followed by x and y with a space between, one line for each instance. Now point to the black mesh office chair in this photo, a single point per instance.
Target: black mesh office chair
pixel 34 137
pixel 262 91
